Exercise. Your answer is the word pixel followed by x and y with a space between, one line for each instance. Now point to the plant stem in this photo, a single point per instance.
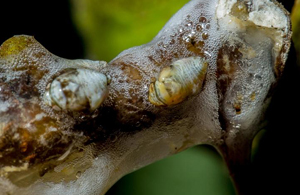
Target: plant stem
pixel 237 156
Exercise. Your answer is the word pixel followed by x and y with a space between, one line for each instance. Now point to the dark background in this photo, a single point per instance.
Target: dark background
pixel 48 21
pixel 275 165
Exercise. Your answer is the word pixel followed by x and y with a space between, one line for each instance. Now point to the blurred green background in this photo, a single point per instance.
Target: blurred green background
pixel 100 29
pixel 198 170
pixel 111 26
pixel 295 25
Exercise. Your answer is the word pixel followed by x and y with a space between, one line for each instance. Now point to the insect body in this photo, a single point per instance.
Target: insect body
pixel 178 81
pixel 77 90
